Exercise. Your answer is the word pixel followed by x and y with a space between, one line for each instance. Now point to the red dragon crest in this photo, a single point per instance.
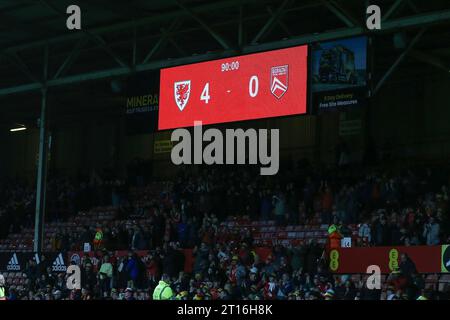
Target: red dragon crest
pixel 182 93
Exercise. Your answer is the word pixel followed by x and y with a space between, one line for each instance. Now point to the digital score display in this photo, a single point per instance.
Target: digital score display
pixel 261 85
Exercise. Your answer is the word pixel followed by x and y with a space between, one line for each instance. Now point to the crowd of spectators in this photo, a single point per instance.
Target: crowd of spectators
pixel 391 207
pixel 230 271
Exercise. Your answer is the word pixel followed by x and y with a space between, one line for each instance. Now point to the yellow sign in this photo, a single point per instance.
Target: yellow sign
pixel 393 259
pixel 163 146
pixel 334 260
pixel 445 261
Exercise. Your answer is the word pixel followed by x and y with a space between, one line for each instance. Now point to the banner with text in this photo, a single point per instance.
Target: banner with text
pixel 142 104
pixel 428 259
pixel 339 74
pixel 18 261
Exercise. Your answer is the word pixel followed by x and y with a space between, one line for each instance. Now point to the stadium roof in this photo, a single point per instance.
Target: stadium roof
pixel 120 37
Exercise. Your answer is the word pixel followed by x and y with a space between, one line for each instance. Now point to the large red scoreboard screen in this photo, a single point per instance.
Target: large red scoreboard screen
pixel 261 85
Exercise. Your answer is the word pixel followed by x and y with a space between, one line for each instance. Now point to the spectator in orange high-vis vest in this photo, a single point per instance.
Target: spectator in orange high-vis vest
pixel 98 238
pixel 334 237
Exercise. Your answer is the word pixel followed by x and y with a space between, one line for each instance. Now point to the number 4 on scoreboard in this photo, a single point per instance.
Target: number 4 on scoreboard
pixel 205 94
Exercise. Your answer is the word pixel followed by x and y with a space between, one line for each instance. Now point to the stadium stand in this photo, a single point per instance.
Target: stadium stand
pixel 173 228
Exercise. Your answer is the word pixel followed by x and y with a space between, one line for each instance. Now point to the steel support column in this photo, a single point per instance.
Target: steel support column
pixel 41 176
pixel 42 164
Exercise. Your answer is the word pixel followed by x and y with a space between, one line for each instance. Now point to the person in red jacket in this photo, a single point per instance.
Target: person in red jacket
pixel 271 288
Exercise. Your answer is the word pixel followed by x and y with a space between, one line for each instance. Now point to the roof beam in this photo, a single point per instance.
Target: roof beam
pixel 273 19
pixel 213 6
pixel 399 60
pixel 162 40
pixel 97 38
pixel 340 12
pixel 29 28
pixel 114 72
pixel 70 58
pixel 413 6
pixel 20 64
pixel 397 4
pixel 280 22
pixel 205 26
pixel 416 21
pixel 389 26
pixel 430 59
pixel 173 42
pixel 117 9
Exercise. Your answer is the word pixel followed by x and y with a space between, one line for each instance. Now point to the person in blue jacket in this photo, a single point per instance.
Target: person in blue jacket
pixel 132 269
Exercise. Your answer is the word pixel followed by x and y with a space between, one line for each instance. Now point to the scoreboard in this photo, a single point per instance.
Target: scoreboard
pixel 261 85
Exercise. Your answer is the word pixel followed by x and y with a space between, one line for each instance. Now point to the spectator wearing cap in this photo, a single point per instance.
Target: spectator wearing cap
pixel 129 294
pixel 329 294
pixel 57 295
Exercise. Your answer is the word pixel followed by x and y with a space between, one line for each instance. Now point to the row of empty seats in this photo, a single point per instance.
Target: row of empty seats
pixel 23 242
pixel 267 233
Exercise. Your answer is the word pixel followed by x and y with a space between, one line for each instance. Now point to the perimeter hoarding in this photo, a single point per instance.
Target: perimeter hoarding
pixel 262 85
pixel 18 261
pixel 428 259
